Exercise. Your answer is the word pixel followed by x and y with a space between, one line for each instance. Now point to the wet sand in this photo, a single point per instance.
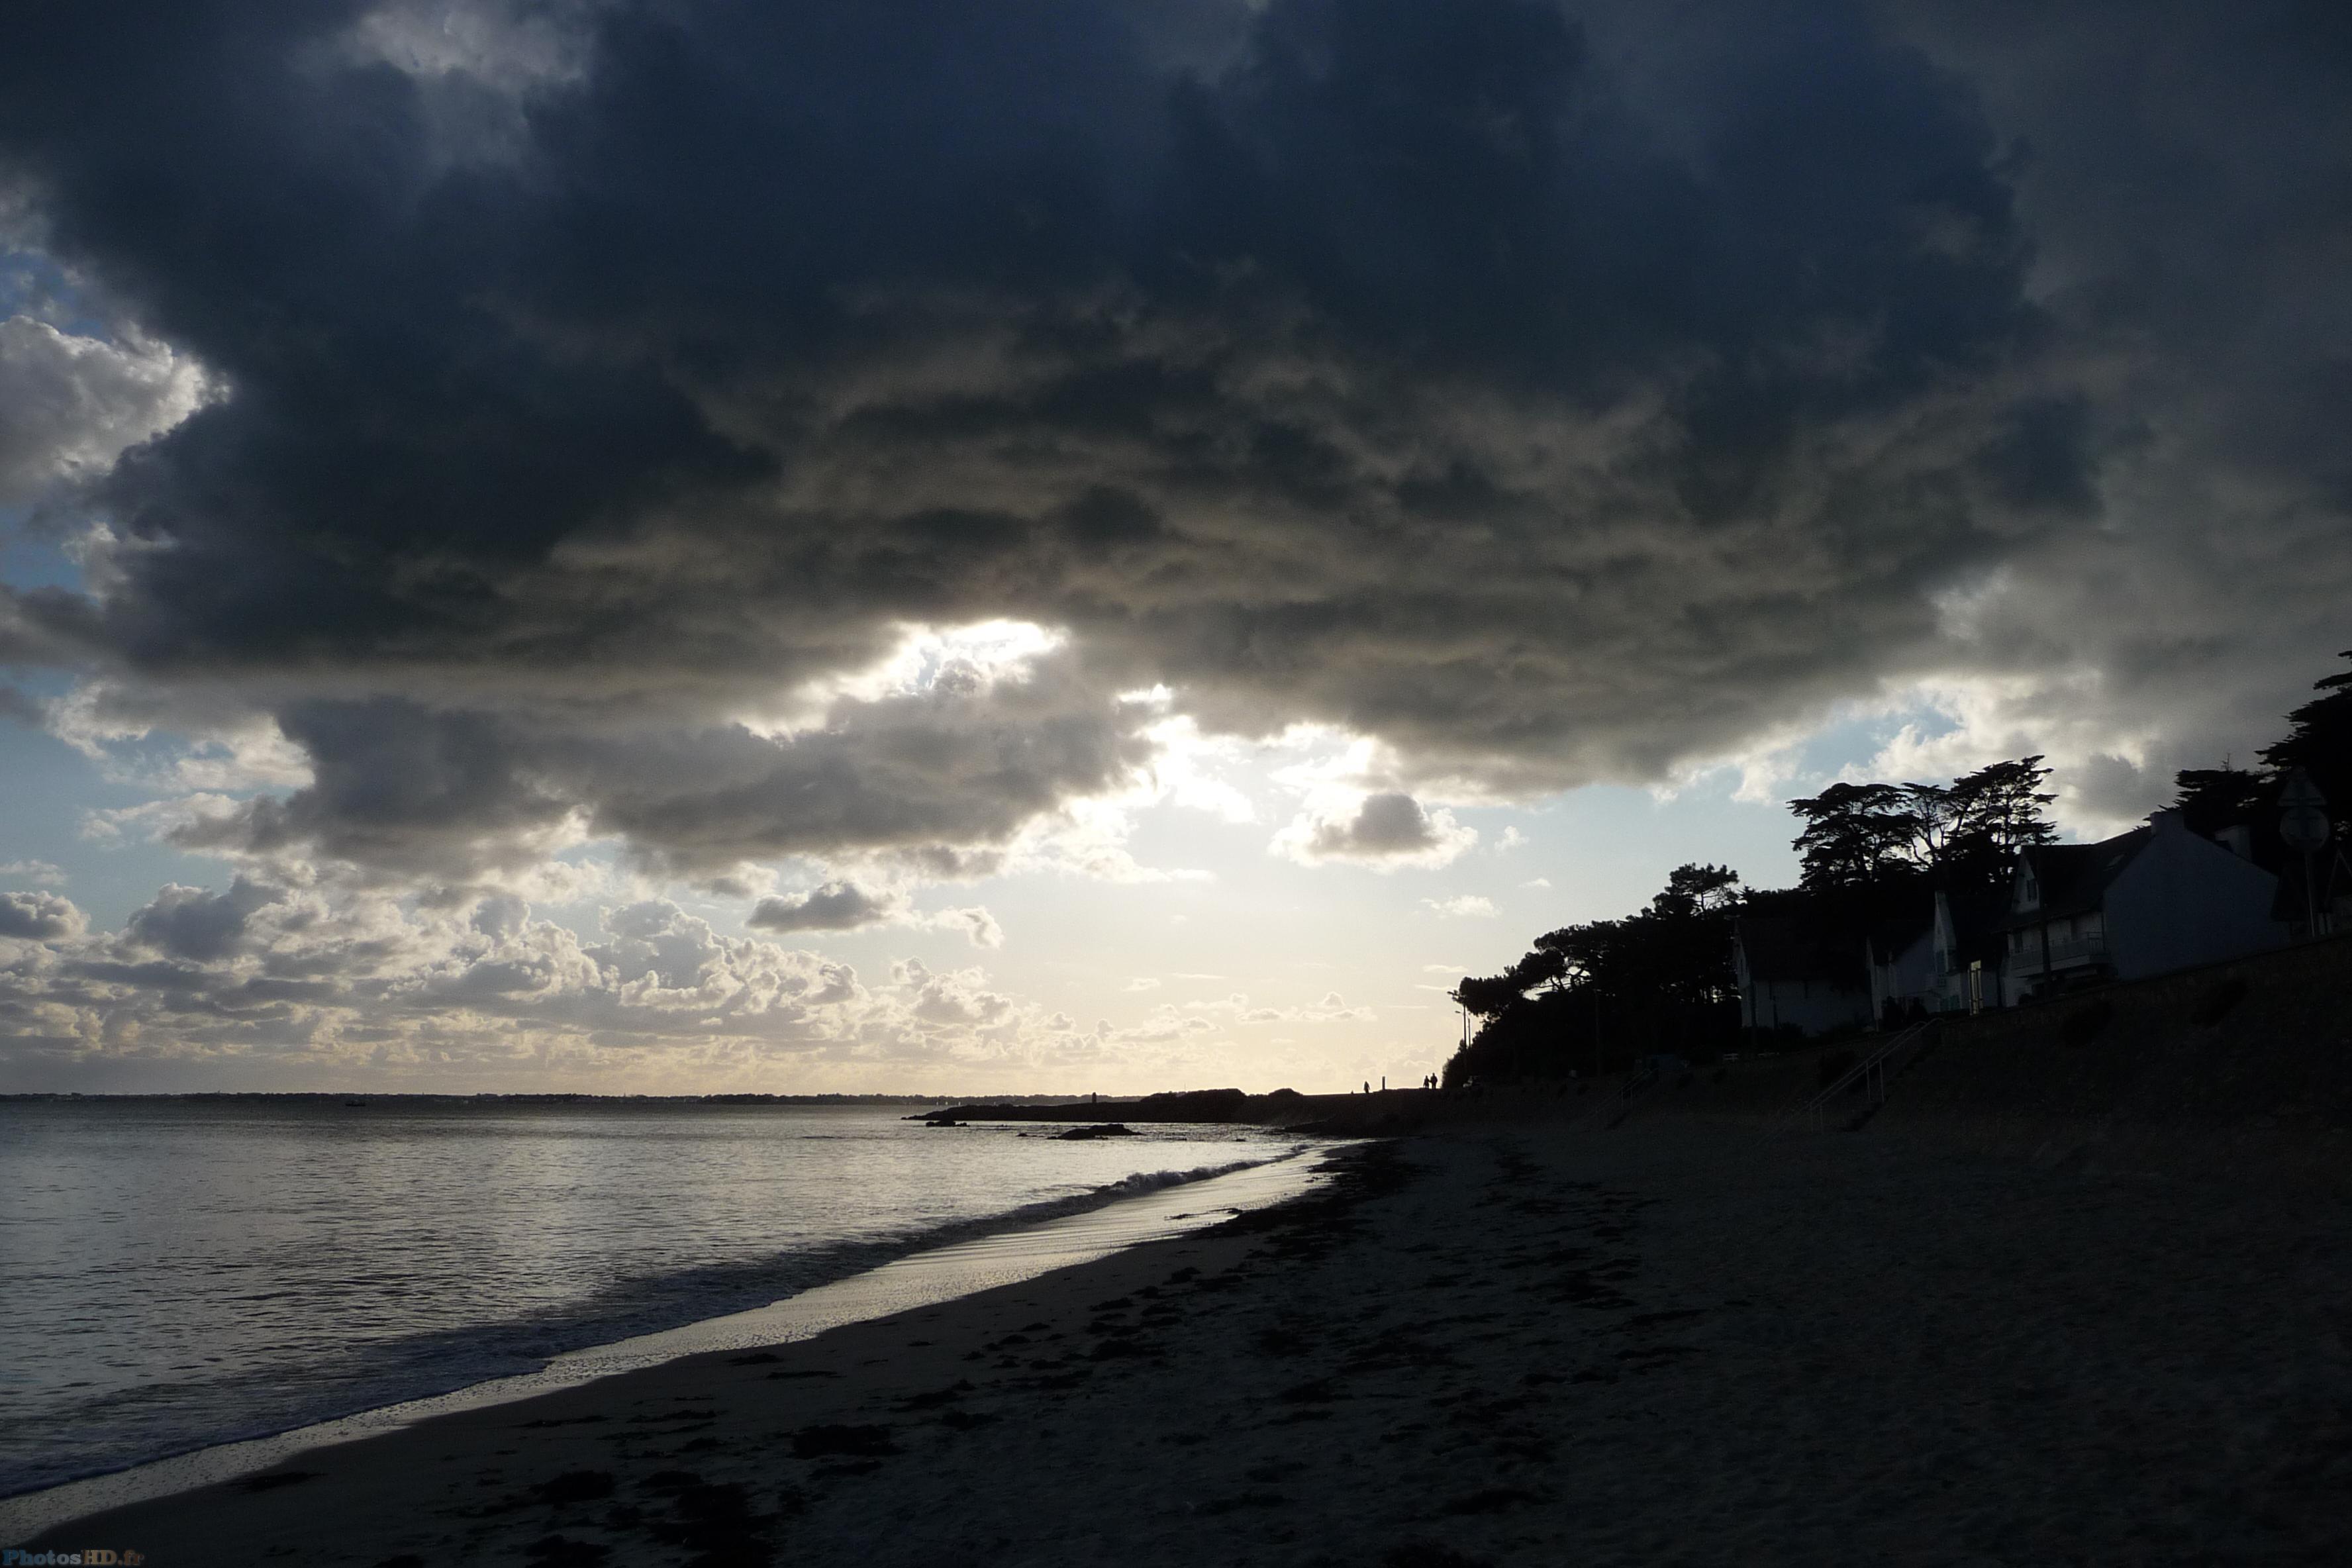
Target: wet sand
pixel 1671 1343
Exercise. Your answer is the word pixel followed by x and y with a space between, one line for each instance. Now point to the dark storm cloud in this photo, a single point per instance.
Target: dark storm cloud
pixel 836 906
pixel 1388 824
pixel 439 794
pixel 1554 392
pixel 2187 176
pixel 193 924
pixel 1389 828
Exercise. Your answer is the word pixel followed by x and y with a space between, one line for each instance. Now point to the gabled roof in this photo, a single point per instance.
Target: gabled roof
pixel 1794 945
pixel 2074 878
pixel 1979 918
pixel 1891 938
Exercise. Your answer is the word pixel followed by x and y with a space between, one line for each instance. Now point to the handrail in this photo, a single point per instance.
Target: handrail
pixel 1872 1071
pixel 1620 1105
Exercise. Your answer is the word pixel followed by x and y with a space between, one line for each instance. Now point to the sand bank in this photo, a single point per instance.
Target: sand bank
pixel 1523 1344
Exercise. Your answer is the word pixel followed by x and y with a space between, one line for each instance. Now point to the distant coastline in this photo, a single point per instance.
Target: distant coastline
pixel 384 1096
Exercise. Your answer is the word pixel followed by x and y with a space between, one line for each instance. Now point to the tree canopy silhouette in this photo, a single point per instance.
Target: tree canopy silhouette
pixel 1856 836
pixel 1658 979
pixel 2319 740
pixel 1867 838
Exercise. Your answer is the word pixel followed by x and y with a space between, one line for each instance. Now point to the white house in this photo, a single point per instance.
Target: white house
pixel 2146 902
pixel 1903 968
pixel 1949 961
pixel 1795 973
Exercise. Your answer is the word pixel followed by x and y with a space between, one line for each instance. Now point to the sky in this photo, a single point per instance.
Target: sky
pixel 1072 545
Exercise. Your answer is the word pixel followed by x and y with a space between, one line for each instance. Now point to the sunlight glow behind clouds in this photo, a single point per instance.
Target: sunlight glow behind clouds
pixel 950 661
pixel 1024 475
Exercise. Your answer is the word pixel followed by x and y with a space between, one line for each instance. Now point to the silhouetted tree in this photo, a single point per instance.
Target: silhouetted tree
pixel 1856 836
pixel 2210 799
pixel 1868 844
pixel 1697 890
pixel 2319 740
pixel 1935 814
pixel 1994 812
pixel 1658 979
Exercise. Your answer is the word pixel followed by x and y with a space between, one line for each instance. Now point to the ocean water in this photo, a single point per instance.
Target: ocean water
pixel 175 1274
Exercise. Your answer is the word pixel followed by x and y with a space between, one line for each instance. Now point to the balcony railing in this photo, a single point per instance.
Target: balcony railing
pixel 2064 952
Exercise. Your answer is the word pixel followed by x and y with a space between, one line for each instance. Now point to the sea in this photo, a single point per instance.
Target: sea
pixel 177 1274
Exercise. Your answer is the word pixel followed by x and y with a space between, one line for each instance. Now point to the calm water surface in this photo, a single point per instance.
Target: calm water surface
pixel 175 1273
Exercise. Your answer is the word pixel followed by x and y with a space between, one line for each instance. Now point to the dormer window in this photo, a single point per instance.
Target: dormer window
pixel 2029 893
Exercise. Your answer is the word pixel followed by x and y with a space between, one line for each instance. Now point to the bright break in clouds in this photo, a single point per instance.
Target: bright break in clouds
pixel 807 454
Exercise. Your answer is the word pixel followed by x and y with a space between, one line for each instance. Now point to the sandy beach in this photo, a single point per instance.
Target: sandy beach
pixel 1514 1344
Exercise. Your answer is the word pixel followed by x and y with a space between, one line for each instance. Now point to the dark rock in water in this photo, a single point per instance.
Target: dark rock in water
pixel 1199 1106
pixel 946 1121
pixel 1107 1129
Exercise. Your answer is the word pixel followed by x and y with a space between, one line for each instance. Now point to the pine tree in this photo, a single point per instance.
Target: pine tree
pixel 2319 742
pixel 1996 812
pixel 1855 835
pixel 2210 799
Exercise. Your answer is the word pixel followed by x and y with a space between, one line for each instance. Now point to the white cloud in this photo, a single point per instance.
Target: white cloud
pixel 182 742
pixel 69 406
pixel 1465 906
pixel 1331 1009
pixel 975 922
pixel 367 980
pixel 39 917
pixel 1189 769
pixel 156 820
